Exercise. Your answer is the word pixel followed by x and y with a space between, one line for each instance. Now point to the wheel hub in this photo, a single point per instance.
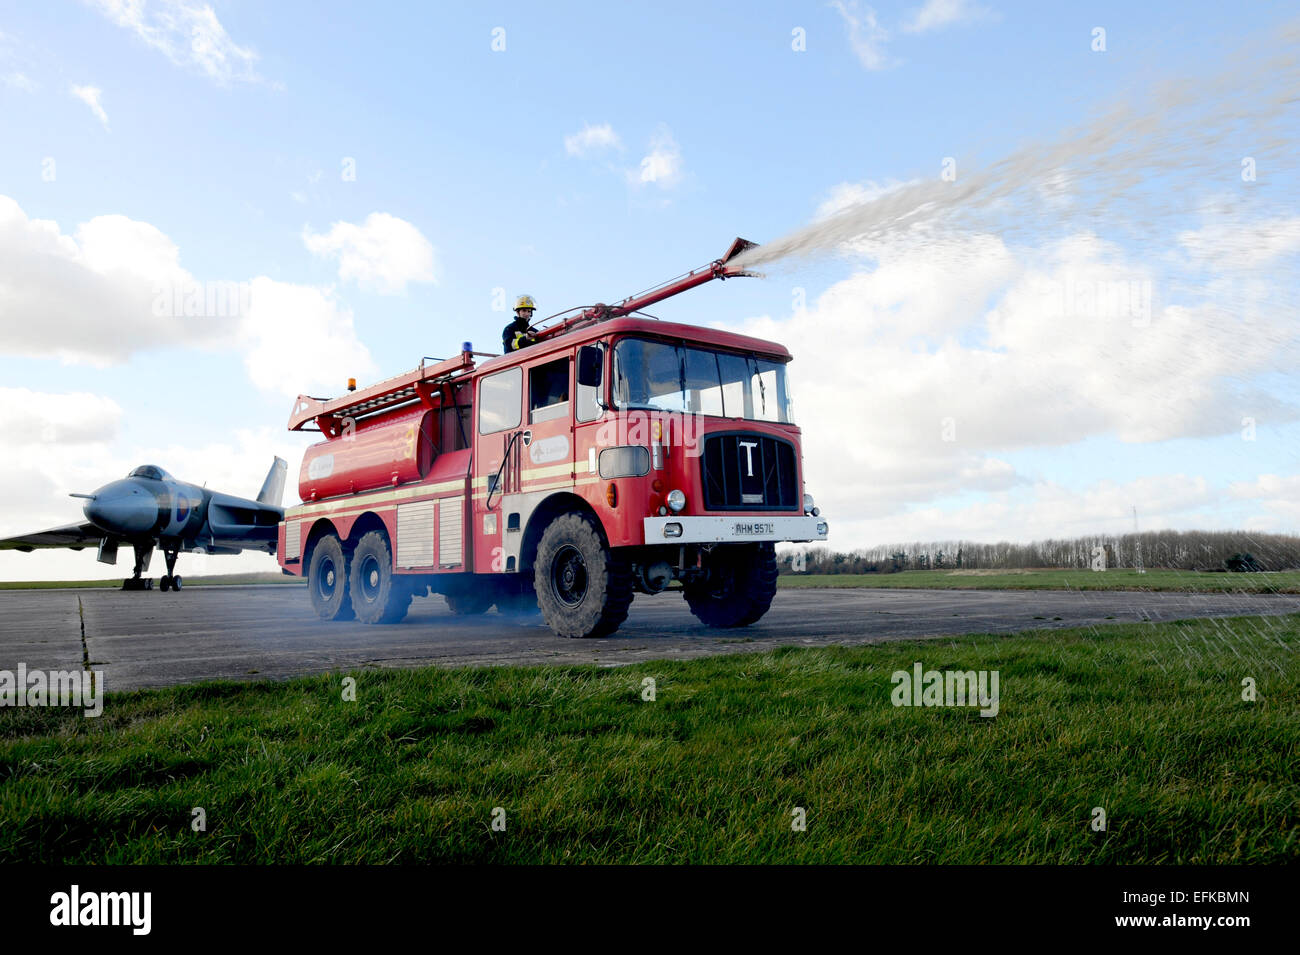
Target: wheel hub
pixel 370 578
pixel 569 576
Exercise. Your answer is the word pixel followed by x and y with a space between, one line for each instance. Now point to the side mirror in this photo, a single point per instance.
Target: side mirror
pixel 591 366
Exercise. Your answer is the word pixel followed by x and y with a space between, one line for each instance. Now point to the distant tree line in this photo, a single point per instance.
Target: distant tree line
pixel 1172 550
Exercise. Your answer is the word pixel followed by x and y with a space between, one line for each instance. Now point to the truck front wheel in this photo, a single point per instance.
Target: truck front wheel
pixel 583 590
pixel 739 588
pixel 327 580
pixel 378 595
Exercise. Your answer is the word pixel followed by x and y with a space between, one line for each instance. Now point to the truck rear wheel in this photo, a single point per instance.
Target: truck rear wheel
pixel 327 580
pixel 378 595
pixel 582 588
pixel 739 589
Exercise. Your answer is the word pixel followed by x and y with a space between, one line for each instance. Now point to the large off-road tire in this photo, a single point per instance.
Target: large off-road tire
pixel 740 587
pixel 378 595
pixel 327 580
pixel 582 588
pixel 517 598
pixel 467 599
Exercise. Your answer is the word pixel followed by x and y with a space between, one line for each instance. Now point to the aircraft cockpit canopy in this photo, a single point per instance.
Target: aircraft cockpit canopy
pixel 151 471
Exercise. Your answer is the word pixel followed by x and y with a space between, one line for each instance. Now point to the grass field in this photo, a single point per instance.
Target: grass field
pixel 1287 582
pixel 1144 721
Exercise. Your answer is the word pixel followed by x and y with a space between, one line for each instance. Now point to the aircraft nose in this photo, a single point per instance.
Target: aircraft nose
pixel 122 508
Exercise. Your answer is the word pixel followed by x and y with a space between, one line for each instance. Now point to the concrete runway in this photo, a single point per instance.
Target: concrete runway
pixel 269 632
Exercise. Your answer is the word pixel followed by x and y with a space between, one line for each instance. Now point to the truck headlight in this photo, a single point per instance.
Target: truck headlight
pixel 808 503
pixel 676 501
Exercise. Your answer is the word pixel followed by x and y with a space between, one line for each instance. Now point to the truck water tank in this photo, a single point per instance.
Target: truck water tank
pixel 391 449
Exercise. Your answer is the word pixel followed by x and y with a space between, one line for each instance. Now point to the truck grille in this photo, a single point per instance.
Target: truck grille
pixel 748 472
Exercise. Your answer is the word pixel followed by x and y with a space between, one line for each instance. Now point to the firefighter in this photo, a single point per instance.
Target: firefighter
pixel 519 333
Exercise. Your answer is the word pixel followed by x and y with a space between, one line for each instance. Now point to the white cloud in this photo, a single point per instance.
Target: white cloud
pixel 937 14
pixel 90 96
pixel 662 165
pixel 866 36
pixel 1277 496
pixel 1269 486
pixel 42 418
pixel 299 340
pixel 592 139
pixel 89 297
pixel 114 244
pixel 383 253
pixel 188 33
pixel 115 287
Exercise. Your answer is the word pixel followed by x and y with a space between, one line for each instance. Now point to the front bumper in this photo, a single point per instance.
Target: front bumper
pixel 713 530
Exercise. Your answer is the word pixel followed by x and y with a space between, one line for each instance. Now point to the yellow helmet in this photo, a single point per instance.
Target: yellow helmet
pixel 525 301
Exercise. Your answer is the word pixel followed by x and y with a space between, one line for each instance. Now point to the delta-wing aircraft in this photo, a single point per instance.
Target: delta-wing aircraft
pixel 149 508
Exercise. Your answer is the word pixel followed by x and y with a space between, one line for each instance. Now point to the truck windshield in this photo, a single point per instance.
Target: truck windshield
pixel 664 376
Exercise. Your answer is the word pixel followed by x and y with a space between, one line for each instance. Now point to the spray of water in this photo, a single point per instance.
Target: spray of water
pixel 1127 172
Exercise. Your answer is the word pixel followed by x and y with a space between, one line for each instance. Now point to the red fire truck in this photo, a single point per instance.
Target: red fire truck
pixel 616 455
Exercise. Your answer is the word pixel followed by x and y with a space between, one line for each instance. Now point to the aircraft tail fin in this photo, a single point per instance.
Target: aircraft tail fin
pixel 272 492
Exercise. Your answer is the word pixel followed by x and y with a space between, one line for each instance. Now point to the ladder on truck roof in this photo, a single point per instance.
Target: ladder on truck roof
pixel 422 384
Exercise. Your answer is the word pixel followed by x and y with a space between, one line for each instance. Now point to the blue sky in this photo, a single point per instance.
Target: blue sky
pixel 235 153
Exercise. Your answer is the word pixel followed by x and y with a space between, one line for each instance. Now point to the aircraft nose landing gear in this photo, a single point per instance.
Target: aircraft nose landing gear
pixel 135 581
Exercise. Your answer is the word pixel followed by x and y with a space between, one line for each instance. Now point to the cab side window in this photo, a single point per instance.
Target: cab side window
pixel 548 391
pixel 499 400
pixel 588 404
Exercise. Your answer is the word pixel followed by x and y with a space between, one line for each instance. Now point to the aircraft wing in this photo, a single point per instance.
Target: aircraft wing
pixel 75 536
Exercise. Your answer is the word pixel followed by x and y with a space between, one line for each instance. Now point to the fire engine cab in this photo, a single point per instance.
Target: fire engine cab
pixel 617 455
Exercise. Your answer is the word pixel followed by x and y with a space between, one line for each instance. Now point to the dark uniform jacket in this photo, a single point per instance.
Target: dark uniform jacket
pixel 515 336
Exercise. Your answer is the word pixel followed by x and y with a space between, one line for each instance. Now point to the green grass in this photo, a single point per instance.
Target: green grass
pixel 1146 721
pixel 213 580
pixel 1287 582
